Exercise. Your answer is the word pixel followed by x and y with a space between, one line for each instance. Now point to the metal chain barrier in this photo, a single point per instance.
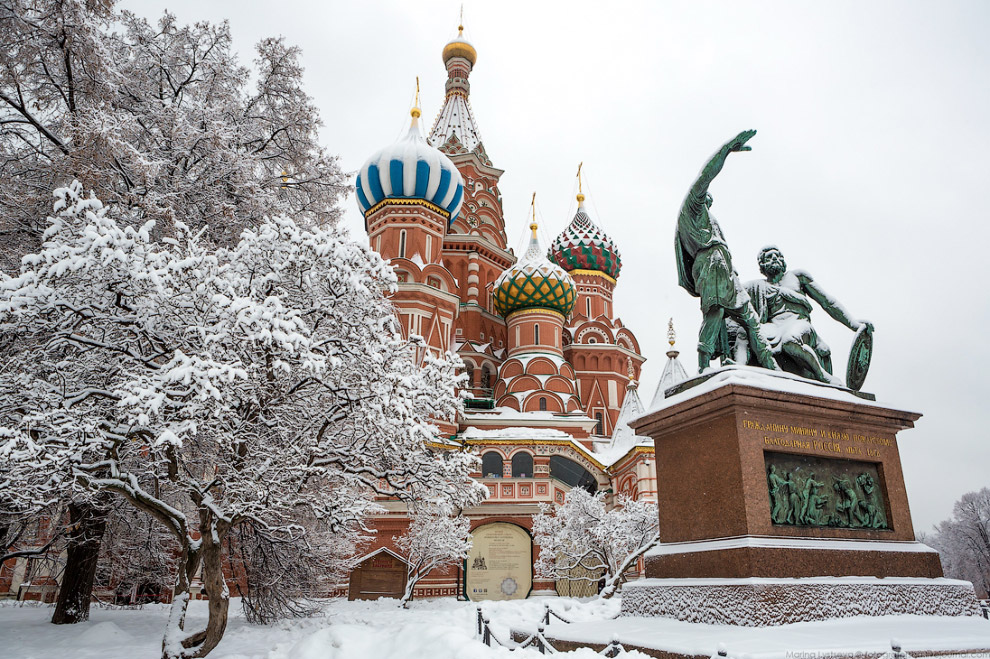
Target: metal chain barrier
pixel 538 640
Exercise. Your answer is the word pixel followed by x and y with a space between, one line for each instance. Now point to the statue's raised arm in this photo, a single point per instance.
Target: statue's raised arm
pixel 704 267
pixel 717 161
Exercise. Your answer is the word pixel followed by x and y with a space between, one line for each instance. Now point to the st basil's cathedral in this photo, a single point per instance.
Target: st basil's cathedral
pixel 552 372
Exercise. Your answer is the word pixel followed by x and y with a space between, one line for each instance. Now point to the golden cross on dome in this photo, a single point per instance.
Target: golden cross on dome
pixel 580 196
pixel 415 112
pixel 533 225
pixel 580 165
pixel 671 335
pixel 460 25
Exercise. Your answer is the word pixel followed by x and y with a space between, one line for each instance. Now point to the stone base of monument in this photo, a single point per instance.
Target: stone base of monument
pixel 759 602
pixel 774 581
pixel 783 501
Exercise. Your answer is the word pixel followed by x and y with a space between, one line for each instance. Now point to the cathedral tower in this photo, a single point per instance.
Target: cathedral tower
pixel 604 353
pixel 410 193
pixel 475 248
pixel 535 296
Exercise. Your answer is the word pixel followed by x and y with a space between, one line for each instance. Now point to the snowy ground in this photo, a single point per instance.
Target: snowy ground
pixel 435 629
pixel 445 629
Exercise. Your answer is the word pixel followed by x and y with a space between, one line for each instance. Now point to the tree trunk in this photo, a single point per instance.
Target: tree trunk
pixel 172 643
pixel 216 589
pixel 201 643
pixel 412 578
pixel 87 524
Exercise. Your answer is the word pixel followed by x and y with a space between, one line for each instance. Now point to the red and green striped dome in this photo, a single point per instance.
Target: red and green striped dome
pixel 584 246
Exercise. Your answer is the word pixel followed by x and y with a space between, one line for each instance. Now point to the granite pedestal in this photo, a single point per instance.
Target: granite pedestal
pixel 740 523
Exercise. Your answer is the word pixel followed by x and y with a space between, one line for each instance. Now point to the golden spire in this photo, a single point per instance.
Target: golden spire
pixel 415 112
pixel 533 225
pixel 671 338
pixel 580 196
pixel 459 47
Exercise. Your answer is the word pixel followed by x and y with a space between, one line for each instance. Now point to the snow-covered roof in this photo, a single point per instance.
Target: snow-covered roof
pixel 380 550
pixel 503 416
pixel 531 434
pixel 673 373
pixel 516 432
pixel 625 438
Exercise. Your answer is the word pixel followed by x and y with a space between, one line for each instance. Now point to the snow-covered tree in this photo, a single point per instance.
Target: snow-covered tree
pixel 161 121
pixel 434 540
pixel 584 536
pixel 963 540
pixel 263 384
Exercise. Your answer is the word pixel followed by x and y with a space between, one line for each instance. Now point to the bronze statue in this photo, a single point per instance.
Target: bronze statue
pixel 782 304
pixel 704 268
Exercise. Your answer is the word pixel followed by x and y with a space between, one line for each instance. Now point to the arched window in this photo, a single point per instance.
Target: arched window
pixel 491 465
pixel 402 244
pixel 587 305
pixel 543 404
pixel 600 426
pixel 571 473
pixel 469 370
pixel 536 334
pixel 522 465
pixel 486 377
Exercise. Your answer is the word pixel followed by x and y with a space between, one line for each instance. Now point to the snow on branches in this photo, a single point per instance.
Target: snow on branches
pixel 160 120
pixel 262 384
pixel 583 537
pixel 433 541
pixel 963 540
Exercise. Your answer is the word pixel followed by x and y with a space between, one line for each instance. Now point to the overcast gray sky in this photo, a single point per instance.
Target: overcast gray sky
pixel 870 161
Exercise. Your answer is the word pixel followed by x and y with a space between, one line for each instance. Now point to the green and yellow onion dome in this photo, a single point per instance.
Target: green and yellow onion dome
pixel 460 47
pixel 534 283
pixel 582 245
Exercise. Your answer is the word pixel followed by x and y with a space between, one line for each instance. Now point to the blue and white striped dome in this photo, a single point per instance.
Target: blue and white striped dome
pixel 411 169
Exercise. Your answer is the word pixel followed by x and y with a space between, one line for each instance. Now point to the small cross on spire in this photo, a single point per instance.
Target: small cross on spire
pixel 580 196
pixel 416 112
pixel 533 225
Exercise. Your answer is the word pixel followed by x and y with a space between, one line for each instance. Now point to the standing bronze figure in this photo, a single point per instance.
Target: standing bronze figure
pixel 704 269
